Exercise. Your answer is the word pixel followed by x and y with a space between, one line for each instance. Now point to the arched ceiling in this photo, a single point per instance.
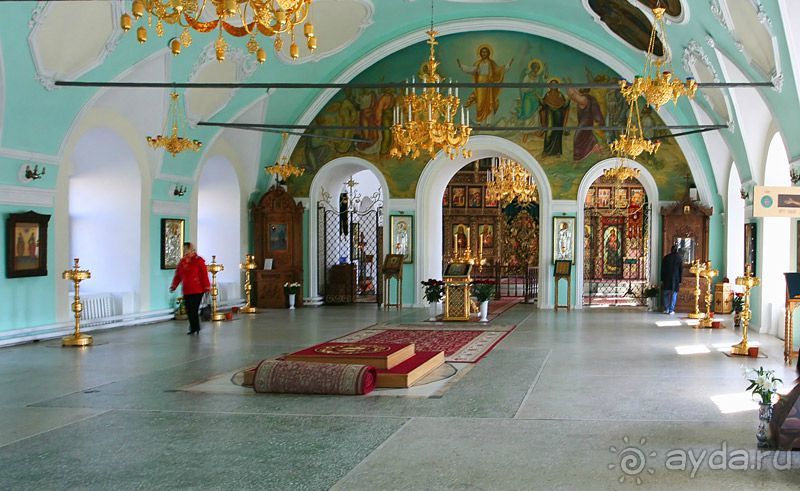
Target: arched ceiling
pixel 44 41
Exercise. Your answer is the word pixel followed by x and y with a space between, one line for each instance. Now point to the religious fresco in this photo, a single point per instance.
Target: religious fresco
pixel 628 22
pixel 493 56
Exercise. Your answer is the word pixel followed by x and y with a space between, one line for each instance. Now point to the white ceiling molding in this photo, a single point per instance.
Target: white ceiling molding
pixel 48 16
pixel 697 62
pixel 32 156
pixel 162 207
pixel 204 103
pixel 327 26
pixel 749 25
pixel 26 196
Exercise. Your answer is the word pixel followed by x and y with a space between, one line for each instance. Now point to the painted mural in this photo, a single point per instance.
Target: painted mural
pixel 493 56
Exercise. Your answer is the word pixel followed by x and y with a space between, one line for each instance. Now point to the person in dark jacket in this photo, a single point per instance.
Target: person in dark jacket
pixel 671 270
pixel 192 272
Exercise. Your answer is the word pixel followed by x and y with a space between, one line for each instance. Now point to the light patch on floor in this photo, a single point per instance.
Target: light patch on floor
pixel 737 402
pixel 692 349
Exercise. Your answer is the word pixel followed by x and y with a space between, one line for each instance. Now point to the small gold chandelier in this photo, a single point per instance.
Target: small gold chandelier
pixel 507 181
pixel 621 173
pixel 632 143
pixel 174 143
pixel 658 89
pixel 283 169
pixel 426 121
pixel 271 18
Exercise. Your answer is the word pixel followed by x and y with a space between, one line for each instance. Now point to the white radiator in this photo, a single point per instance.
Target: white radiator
pixel 98 306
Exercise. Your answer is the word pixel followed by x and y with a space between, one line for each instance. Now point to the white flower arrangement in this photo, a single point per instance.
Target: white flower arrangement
pixel 291 288
pixel 763 383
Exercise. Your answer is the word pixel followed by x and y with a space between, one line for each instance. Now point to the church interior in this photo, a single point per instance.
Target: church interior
pixel 418 244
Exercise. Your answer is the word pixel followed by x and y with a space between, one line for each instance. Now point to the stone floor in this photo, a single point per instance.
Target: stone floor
pixel 592 399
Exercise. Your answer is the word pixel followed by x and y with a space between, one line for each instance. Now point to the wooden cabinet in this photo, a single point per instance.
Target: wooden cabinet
pixel 685 224
pixel 278 235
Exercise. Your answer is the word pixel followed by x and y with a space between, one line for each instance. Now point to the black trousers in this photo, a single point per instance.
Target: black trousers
pixel 192 303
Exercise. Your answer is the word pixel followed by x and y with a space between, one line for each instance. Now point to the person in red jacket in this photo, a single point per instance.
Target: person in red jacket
pixel 192 272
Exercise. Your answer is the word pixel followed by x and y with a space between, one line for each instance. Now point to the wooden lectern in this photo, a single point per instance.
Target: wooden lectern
pixel 392 268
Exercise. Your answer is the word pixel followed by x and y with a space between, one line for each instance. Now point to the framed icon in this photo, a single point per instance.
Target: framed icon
pixel 621 197
pixel 392 265
pixel 457 270
pixel 401 231
pixel 458 195
pixel 488 201
pixel 475 196
pixel 564 238
pixel 446 197
pixel 26 244
pixel 562 268
pixel 172 230
pixel 278 240
pixel 603 197
pixel 591 197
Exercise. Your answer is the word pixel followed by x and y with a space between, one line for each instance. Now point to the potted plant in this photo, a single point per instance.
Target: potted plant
pixel 434 292
pixel 291 290
pixel 483 291
pixel 651 294
pixel 763 385
pixel 738 306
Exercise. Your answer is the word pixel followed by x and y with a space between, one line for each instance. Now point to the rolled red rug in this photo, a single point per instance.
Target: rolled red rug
pixel 300 377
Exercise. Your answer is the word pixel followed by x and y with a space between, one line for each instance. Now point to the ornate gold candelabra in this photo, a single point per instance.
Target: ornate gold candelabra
pixel 697 269
pixel 215 268
pixel 76 275
pixel 248 266
pixel 748 281
pixel 709 275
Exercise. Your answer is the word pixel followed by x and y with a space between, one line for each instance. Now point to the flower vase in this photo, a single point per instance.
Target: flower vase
pixel 291 301
pixel 764 417
pixel 484 311
pixel 433 310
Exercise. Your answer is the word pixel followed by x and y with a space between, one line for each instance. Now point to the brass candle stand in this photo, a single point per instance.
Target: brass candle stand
pixel 215 268
pixel 248 266
pixel 709 274
pixel 748 281
pixel 697 269
pixel 76 275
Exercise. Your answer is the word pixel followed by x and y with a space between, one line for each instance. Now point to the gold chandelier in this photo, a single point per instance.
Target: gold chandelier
pixel 426 121
pixel 239 18
pixel 174 143
pixel 507 181
pixel 283 169
pixel 658 88
pixel 621 173
pixel 632 143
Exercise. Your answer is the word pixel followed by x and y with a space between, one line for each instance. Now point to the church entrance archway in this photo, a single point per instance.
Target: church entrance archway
pixel 618 258
pixel 504 235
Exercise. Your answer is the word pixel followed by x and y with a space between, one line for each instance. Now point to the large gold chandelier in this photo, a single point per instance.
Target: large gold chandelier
pixel 658 88
pixel 174 143
pixel 239 18
pixel 507 181
pixel 426 121
pixel 283 169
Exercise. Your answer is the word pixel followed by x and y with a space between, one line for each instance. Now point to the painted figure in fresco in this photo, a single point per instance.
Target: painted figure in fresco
pixel 348 116
pixel 628 22
pixel 553 112
pixel 485 99
pixel 385 103
pixel 612 250
pixel 589 113
pixel 529 96
pixel 371 109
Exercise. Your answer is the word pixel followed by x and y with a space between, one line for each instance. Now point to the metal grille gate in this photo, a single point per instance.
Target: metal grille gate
pixel 351 237
pixel 616 255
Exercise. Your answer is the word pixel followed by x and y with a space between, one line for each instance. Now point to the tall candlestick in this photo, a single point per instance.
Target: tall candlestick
pixel 480 247
pixel 455 244
pixel 468 242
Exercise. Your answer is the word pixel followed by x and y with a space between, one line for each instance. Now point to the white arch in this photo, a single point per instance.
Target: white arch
pixel 430 189
pixel 650 187
pixel 734 226
pixel 331 175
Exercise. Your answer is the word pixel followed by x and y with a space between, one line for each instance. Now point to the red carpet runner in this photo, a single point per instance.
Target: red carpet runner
pixel 313 378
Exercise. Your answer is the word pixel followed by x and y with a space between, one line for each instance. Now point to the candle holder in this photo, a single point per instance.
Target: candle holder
pixel 748 281
pixel 248 266
pixel 215 268
pixel 697 269
pixel 709 275
pixel 76 275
